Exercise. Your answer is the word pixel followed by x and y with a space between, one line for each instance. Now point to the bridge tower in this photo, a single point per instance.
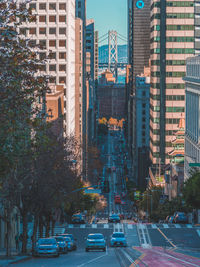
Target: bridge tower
pixel 113 53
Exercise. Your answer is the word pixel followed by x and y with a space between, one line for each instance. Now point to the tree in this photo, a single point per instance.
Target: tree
pixel 191 190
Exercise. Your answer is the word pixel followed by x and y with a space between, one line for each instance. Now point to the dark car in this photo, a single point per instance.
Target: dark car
pixel 78 218
pixel 180 217
pixel 114 218
pixel 74 246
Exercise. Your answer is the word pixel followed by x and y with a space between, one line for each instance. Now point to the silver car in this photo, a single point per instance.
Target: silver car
pixel 94 242
pixel 46 247
pixel 118 240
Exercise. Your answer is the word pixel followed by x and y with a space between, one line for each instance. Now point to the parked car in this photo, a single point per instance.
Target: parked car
pixel 73 240
pixel 180 217
pixel 94 242
pixel 78 218
pixel 118 240
pixel 46 247
pixel 61 243
pixel 114 218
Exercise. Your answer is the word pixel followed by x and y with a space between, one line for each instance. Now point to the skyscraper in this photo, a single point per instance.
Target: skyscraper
pixel 54 32
pixel 172 41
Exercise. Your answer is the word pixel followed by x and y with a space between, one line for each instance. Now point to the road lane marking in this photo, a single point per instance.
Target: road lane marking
pixel 90 261
pixel 166 238
pixel 130 226
pixel 106 226
pixel 154 226
pixel 82 226
pixel 165 225
pixel 94 225
pixel 189 225
pixel 70 226
pixel 177 226
pixel 198 232
pixel 129 258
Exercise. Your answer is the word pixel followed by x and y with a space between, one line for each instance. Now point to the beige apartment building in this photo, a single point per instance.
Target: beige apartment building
pixel 172 42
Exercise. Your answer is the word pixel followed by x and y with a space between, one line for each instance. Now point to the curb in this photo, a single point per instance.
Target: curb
pixel 25 258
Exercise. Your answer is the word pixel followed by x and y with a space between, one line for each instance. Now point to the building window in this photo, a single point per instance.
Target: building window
pixel 42 44
pixel 32 30
pixel 52 30
pixel 32 43
pixel 42 30
pixel 144 105
pixel 52 6
pixel 52 67
pixel 79 4
pixel 52 55
pixel 143 133
pixel 52 43
pixel 143 112
pixel 42 18
pixel 42 67
pixel 62 30
pixel 22 31
pixel 62 43
pixel 62 18
pixel 62 6
pixel 62 79
pixel 32 6
pixel 52 80
pixel 62 55
pixel 79 14
pixel 62 67
pixel 144 126
pixel 52 18
pixel 42 6
pixel 42 55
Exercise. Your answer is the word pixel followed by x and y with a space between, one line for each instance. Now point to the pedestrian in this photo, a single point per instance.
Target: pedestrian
pixel 17 242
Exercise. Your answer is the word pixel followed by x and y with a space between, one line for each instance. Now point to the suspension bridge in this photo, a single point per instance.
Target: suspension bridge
pixel 112 64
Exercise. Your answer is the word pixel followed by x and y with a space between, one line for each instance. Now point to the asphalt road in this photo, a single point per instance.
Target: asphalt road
pixel 156 245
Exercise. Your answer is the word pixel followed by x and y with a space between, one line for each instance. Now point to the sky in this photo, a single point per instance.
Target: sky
pixel 108 15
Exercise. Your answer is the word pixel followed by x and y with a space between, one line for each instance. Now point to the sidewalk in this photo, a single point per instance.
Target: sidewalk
pixel 5 261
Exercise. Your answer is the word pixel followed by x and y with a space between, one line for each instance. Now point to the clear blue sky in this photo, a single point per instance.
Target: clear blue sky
pixel 108 15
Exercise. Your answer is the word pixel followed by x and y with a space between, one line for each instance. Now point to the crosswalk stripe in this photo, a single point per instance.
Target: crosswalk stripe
pixel 189 225
pixel 177 226
pixel 154 226
pixel 82 226
pixel 106 226
pixel 130 226
pixel 70 226
pixel 94 225
pixel 165 225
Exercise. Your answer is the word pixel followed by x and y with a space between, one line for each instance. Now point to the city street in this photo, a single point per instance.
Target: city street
pixel 148 244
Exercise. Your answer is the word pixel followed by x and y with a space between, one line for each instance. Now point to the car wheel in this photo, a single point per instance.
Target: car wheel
pixel 87 250
pixel 75 247
pixel 57 255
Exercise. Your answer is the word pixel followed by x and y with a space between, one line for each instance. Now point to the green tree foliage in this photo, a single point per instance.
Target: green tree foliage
pixel 191 190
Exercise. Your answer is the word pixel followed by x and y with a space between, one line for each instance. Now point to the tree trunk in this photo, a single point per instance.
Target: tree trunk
pixel 48 219
pixel 52 227
pixel 35 226
pixel 24 236
pixel 8 234
pixel 40 226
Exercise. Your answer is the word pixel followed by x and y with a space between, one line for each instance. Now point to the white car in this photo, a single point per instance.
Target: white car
pixel 118 239
pixel 94 242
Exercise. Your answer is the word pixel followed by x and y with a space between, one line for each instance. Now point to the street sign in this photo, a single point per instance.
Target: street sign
pixel 194 164
pixel 92 191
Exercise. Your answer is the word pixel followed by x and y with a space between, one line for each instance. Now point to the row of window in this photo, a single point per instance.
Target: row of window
pixel 52 6
pixel 168 109
pixel 52 18
pixel 52 67
pixel 169 86
pixel 174 28
pixel 169 62
pixel 52 55
pixel 52 79
pixel 157 132
pixel 169 74
pixel 169 97
pixel 167 121
pixel 181 39
pixel 43 30
pixel 174 16
pixel 174 51
pixel 174 4
pixel 52 43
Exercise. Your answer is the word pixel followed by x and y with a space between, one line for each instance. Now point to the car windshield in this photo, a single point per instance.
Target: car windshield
pixel 95 237
pixel 118 235
pixel 114 216
pixel 60 239
pixel 46 241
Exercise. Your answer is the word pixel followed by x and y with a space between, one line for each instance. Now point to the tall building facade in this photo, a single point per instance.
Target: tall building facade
pixel 78 79
pixel 192 131
pixel 172 41
pixel 138 58
pixel 54 32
